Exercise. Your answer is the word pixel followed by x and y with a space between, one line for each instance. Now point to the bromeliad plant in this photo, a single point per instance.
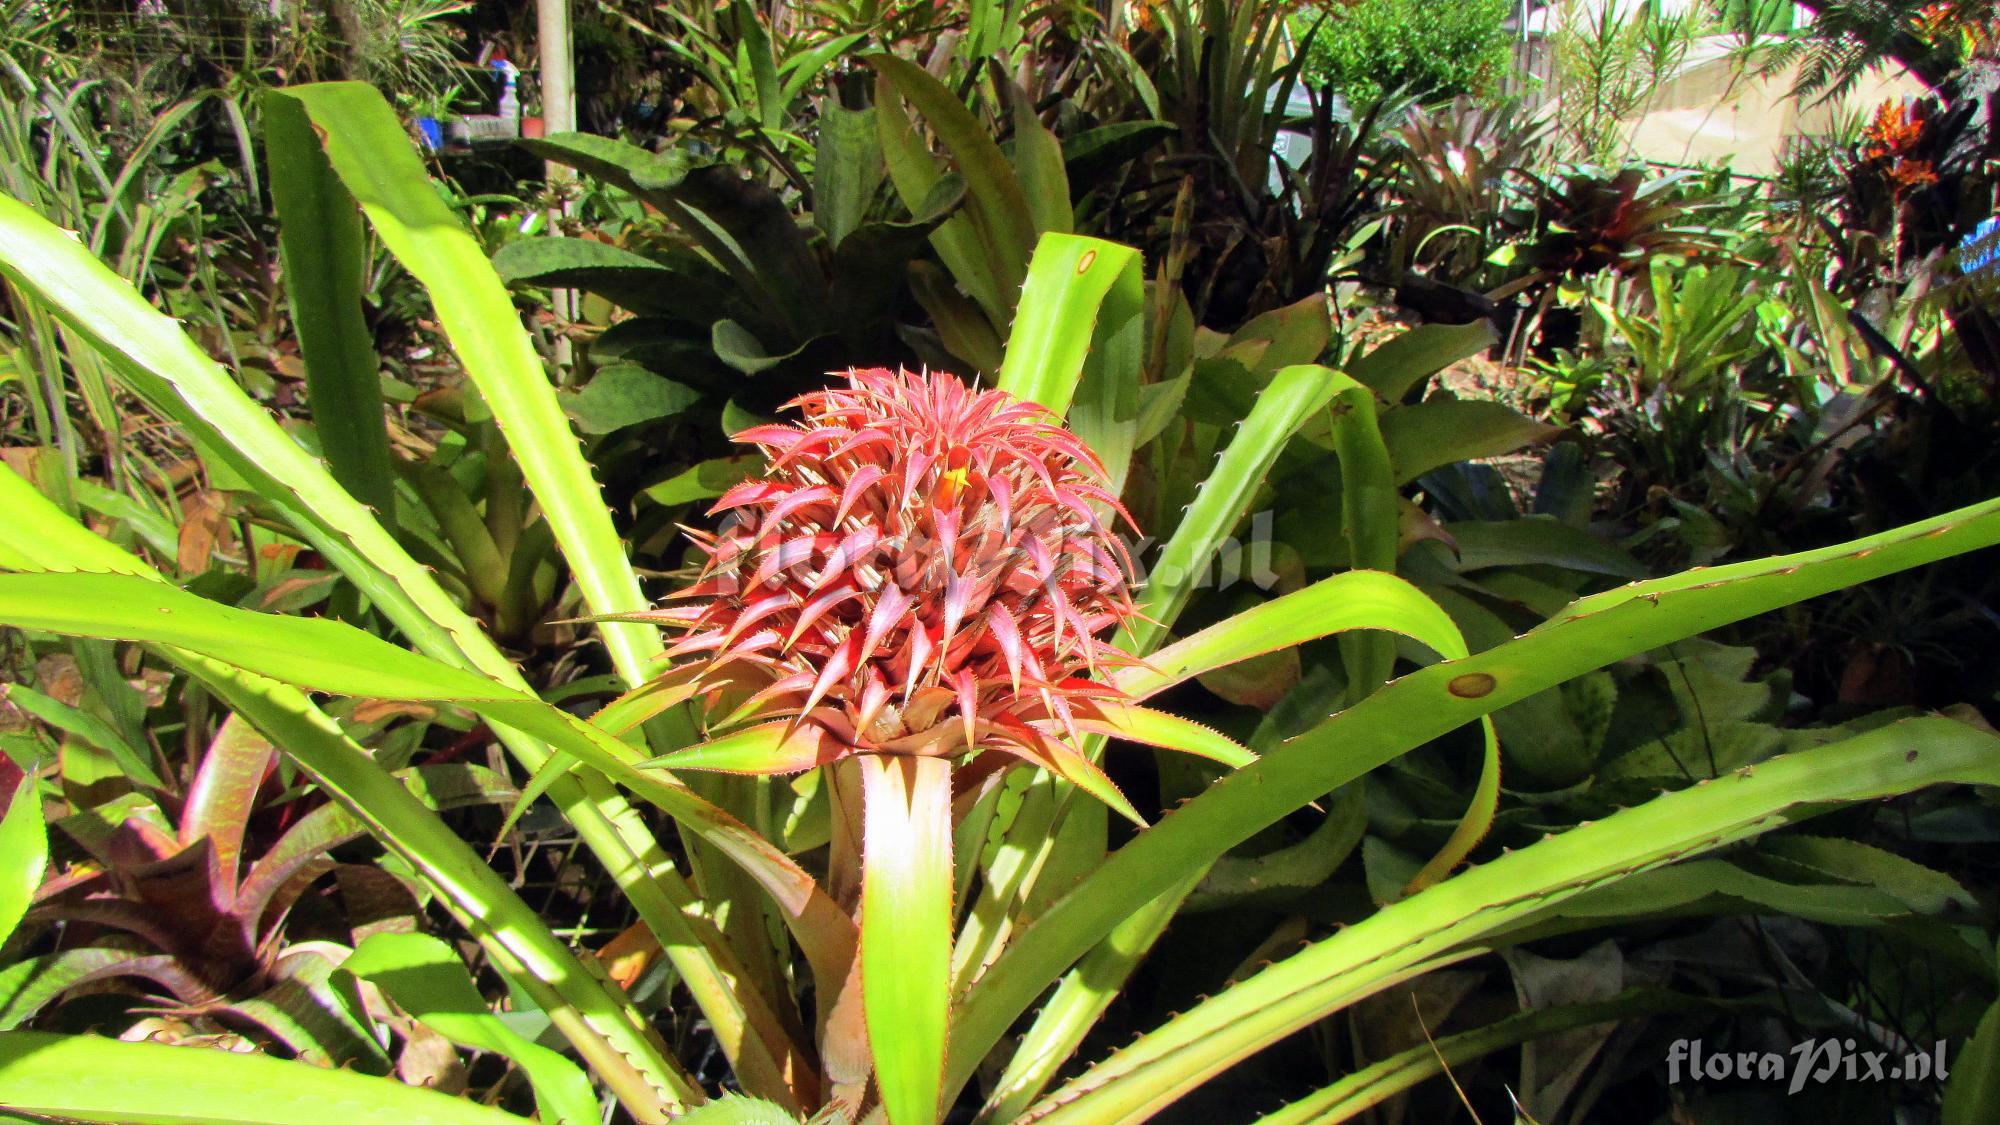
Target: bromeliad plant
pixel 920 578
pixel 908 606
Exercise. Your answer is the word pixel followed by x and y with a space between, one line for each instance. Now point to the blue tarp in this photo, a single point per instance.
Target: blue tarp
pixel 1980 252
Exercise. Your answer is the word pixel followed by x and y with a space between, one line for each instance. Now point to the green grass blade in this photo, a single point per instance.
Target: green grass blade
pixel 371 153
pixel 86 1078
pixel 325 263
pixel 1413 710
pixel 906 928
pixel 1357 961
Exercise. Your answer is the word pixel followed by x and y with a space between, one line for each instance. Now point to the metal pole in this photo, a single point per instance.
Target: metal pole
pixel 558 66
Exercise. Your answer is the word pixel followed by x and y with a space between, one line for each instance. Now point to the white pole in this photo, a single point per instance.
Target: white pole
pixel 558 66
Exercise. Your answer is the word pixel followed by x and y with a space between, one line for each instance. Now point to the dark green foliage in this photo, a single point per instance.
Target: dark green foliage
pixel 1427 50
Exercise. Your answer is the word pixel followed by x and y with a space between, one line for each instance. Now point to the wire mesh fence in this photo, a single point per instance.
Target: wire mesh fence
pixel 237 33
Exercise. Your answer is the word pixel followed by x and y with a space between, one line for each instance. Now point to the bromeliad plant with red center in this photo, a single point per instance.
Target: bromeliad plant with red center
pixel 925 569
pixel 920 581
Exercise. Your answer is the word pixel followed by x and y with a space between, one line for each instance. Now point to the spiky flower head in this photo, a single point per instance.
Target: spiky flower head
pixel 923 568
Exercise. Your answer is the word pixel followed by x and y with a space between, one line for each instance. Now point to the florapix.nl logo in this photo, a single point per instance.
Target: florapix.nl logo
pixel 1809 1061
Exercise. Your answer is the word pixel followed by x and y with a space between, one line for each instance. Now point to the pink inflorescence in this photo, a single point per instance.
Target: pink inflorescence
pixel 916 552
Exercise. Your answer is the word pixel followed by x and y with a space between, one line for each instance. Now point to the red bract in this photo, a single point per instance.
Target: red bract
pixel 924 568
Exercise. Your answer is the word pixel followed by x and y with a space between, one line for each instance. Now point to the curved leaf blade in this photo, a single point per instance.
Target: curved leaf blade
pixel 427 980
pixel 371 153
pixel 906 928
pixel 85 1078
pixel 24 853
pixel 1593 632
pixel 1360 959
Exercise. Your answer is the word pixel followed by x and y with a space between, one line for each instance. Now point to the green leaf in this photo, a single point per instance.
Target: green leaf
pixel 86 726
pixel 597 1021
pixel 1925 890
pixel 28 985
pixel 1442 431
pixel 164 367
pixel 1235 881
pixel 1669 889
pixel 1972 1093
pixel 922 187
pixel 1168 732
pixel 86 1078
pixel 736 1110
pixel 24 852
pixel 620 276
pixel 1428 927
pixel 736 346
pixel 326 655
pixel 1394 367
pixel 994 200
pixel 906 928
pixel 625 395
pixel 1093 154
pixel 768 748
pixel 1354 599
pixel 1293 395
pixel 1039 158
pixel 847 168
pixel 1538 540
pixel 755 41
pixel 742 225
pixel 427 980
pixel 1376 1083
pixel 325 265
pixel 705 480
pixel 1076 344
pixel 1416 708
pixel 372 155
pixel 1371 521
pixel 160 363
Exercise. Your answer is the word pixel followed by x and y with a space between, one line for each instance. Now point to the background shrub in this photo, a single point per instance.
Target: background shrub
pixel 1435 50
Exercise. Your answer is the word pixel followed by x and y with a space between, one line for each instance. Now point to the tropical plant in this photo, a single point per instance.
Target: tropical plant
pixel 918 974
pixel 1462 165
pixel 1610 62
pixel 197 910
pixel 1247 202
